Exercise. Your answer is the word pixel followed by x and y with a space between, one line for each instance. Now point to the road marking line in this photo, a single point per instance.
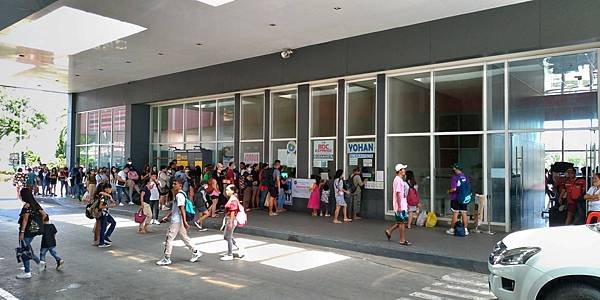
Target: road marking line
pixel 221 282
pixel 427 296
pixel 454 294
pixel 465 281
pixel 6 295
pixel 461 288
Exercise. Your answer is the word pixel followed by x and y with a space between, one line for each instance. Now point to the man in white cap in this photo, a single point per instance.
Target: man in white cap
pixel 400 204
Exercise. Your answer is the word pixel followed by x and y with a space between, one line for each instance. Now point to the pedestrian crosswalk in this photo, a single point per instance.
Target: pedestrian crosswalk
pixel 463 285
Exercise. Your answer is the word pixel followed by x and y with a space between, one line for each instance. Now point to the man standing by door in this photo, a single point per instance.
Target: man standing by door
pixel 358 184
pixel 458 206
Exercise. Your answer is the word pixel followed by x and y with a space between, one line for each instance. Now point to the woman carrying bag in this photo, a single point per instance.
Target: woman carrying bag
pixel 30 225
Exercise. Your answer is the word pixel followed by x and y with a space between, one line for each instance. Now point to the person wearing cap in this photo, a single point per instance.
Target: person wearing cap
pixel 399 193
pixel 455 206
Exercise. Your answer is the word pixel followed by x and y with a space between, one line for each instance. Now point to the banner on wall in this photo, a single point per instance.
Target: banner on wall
pixel 361 147
pixel 301 187
pixel 251 158
pixel 323 150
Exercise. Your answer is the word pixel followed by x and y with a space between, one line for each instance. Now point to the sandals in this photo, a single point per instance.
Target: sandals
pixel 388 235
pixel 405 243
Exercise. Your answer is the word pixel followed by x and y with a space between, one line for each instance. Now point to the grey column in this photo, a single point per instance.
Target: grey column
pixel 267 132
pixel 237 128
pixel 137 134
pixel 341 110
pixel 71 150
pixel 380 126
pixel 303 118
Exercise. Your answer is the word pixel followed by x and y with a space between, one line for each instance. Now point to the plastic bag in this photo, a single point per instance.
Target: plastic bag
pixel 422 218
pixel 431 220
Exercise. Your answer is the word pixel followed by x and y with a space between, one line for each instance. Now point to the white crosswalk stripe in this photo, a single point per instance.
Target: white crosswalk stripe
pixel 461 285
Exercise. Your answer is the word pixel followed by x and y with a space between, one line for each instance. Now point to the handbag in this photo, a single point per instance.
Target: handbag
pixel 24 251
pixel 139 216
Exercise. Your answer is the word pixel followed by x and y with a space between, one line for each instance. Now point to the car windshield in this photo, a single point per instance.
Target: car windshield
pixel 594 227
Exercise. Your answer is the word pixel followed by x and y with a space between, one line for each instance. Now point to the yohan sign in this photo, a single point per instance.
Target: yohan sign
pixel 361 147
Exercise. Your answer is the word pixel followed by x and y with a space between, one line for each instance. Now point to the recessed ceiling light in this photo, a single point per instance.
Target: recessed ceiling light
pixel 76 75
pixel 199 44
pixel 56 80
pixel 337 8
pixel 100 69
pixel 159 53
pixel 127 62
pixel 39 85
pixel 215 3
pixel 272 24
pixel 68 31
pixel 11 67
pixel 21 55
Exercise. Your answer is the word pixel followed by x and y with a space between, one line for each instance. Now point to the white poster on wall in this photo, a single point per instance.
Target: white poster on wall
pixel 323 150
pixel 251 158
pixel 301 187
pixel 367 162
pixel 282 155
pixel 352 161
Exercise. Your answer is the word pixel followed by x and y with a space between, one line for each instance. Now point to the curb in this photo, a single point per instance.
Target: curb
pixel 349 245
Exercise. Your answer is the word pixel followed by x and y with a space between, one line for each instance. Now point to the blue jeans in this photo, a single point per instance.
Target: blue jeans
pixel 52 250
pixel 104 233
pixel 26 262
pixel 262 196
pixel 120 192
pixel 281 199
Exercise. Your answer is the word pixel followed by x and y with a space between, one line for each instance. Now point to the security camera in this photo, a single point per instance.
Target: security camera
pixel 287 53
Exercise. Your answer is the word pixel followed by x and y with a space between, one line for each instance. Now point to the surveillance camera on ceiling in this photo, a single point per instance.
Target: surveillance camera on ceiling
pixel 287 53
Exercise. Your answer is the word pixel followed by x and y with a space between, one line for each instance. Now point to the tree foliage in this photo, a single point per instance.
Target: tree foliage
pixel 13 110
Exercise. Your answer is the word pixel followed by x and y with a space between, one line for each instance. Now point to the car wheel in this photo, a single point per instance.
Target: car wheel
pixel 572 290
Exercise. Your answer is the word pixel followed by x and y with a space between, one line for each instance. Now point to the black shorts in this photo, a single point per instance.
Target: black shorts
pixel 458 207
pixel 273 192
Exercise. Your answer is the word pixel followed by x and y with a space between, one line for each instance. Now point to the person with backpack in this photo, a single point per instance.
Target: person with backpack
pixel 271 180
pixel 400 205
pixel 214 193
pixel 460 197
pixel 179 225
pixel 232 209
pixel 201 199
pixel 30 225
pixel 340 194
pixel 107 222
pixel 356 186
pixel 132 177
pixel 145 200
pixel 121 184
pixel 412 197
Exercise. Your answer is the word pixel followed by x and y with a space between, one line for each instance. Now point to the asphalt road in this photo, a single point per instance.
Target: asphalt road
pixel 272 269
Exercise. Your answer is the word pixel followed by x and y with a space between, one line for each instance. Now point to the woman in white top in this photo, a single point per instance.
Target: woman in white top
pixel 593 196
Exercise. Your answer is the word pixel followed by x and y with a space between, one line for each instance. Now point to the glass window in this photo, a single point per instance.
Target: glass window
pixel 92 127
pixel 463 149
pixel 361 107
pixel 118 157
pixel 106 126
pixel 361 154
pixel 324 111
pixel 413 152
pixel 81 128
pixel 192 122
pixel 252 123
pixel 119 115
pixel 552 140
pixel 171 124
pixel 93 156
pixel 323 157
pixel 279 151
pixel 496 175
pixel 251 152
pixel 208 120
pixel 409 103
pixel 552 88
pixel 459 99
pixel 283 114
pixel 226 117
pixel 209 153
pixel 154 124
pixel 577 158
pixel 495 96
pixel 82 157
pixel 104 156
pixel 225 153
pixel 578 139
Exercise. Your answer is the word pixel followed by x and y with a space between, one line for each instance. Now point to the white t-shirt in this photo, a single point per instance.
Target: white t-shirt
pixel 121 176
pixel 176 215
pixel 154 194
pixel 594 205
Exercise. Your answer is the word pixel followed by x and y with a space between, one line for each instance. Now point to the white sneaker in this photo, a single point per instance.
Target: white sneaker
pixel 203 229
pixel 121 204
pixel 60 265
pixel 195 256
pixel 42 266
pixel 164 262
pixel 227 258
pixel 24 275
pixel 197 225
pixel 130 203
pixel 104 246
pixel 466 232
pixel 450 231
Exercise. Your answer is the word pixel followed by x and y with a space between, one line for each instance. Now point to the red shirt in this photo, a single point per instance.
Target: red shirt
pixel 233 205
pixel 575 189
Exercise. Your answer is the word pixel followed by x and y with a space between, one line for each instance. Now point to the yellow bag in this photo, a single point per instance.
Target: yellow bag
pixel 431 220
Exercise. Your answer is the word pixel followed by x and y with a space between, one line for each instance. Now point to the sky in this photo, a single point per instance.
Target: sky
pixel 42 141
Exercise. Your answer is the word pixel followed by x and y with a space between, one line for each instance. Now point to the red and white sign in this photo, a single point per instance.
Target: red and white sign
pixel 323 150
pixel 251 158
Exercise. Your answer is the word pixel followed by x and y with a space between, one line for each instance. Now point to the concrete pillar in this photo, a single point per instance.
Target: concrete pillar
pixel 137 134
pixel 267 132
pixel 303 118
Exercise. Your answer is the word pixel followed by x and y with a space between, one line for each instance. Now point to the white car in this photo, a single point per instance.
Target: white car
pixel 547 263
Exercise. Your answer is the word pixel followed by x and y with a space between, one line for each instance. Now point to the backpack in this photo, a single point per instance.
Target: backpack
pixel 241 218
pixel 133 175
pixel 34 224
pixel 350 185
pixel 92 210
pixel 268 180
pixel 459 229
pixel 463 190
pixel 413 197
pixel 190 211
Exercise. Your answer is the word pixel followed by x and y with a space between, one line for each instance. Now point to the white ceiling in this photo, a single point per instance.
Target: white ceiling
pixel 234 31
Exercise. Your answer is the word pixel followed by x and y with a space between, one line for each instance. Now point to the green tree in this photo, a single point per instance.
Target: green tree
pixel 18 117
pixel 31 159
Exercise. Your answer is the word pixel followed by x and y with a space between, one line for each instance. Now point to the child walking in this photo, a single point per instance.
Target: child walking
pixel 49 245
pixel 325 200
pixel 314 200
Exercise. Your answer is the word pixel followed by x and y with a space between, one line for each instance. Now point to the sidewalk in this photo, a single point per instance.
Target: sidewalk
pixel 431 246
